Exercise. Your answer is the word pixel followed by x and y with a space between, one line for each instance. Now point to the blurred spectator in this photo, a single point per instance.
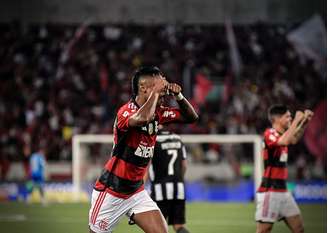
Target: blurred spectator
pixel 56 82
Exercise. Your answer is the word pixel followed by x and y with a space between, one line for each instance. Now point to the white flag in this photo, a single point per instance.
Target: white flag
pixel 309 39
pixel 235 59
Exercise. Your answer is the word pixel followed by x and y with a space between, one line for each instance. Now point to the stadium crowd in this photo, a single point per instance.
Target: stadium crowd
pixel 60 80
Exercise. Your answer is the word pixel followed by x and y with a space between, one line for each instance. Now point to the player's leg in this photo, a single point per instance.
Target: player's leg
pixel 146 214
pixel 295 223
pixel 177 216
pixel 40 185
pixel 97 201
pixel 41 190
pixel 292 214
pixel 262 227
pixel 151 222
pixel 105 212
pixel 42 195
pixel 164 206
pixel 267 210
pixel 31 186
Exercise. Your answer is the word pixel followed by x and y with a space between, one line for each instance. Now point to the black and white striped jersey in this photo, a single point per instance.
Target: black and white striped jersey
pixel 165 172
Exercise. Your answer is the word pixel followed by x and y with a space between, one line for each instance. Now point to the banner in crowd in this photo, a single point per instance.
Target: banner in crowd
pixel 239 191
pixel 243 191
pixel 54 193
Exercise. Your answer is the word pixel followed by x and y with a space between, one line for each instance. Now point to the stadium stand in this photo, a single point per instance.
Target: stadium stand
pixel 58 80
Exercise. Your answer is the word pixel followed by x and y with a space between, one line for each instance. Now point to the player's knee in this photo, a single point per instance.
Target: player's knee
pixel 160 228
pixel 264 229
pixel 299 228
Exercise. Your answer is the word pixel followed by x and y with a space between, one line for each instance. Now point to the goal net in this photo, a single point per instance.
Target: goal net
pixel 90 153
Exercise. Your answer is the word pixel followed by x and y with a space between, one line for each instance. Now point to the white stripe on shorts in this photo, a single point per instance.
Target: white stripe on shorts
pixel 158 192
pixel 169 190
pixel 181 192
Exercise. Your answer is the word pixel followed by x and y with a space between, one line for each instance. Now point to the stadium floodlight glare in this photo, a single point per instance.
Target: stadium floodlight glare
pixel 79 140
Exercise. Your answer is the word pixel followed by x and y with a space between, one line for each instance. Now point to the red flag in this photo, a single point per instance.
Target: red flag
pixel 202 88
pixel 315 136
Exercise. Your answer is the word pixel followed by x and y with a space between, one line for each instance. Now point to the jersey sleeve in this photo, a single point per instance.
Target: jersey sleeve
pixel 271 138
pixel 123 115
pixel 169 115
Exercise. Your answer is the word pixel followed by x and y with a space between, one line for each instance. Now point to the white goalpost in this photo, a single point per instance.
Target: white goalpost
pixel 79 140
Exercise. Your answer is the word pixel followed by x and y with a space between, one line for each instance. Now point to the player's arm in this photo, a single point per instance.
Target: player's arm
pixel 146 176
pixel 184 160
pixel 288 137
pixel 184 167
pixel 146 113
pixel 308 114
pixel 188 113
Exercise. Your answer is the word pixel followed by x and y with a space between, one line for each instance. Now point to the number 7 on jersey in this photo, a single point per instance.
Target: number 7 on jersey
pixel 174 154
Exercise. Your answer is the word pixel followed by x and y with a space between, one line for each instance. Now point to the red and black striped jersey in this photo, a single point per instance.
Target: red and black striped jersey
pixel 275 163
pixel 132 150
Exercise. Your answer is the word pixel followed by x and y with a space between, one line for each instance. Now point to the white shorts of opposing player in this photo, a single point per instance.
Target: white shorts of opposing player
pixel 107 210
pixel 274 206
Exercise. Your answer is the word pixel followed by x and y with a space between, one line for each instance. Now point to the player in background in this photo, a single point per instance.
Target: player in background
pixel 166 174
pixel 273 201
pixel 120 189
pixel 37 169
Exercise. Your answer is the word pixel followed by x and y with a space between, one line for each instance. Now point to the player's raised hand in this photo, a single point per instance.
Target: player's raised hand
pixel 299 115
pixel 308 114
pixel 174 88
pixel 160 86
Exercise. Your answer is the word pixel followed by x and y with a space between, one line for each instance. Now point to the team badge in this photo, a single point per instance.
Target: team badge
pixel 103 224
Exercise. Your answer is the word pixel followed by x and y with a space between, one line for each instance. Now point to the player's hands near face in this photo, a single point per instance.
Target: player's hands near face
pixel 299 115
pixel 174 88
pixel 160 86
pixel 308 114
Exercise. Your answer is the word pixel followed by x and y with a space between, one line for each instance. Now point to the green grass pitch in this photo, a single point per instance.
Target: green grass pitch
pixel 201 218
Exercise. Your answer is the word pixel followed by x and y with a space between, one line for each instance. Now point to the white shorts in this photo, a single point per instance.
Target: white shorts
pixel 274 206
pixel 107 210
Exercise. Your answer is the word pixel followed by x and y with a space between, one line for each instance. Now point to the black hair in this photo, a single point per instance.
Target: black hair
pixel 276 109
pixel 143 71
